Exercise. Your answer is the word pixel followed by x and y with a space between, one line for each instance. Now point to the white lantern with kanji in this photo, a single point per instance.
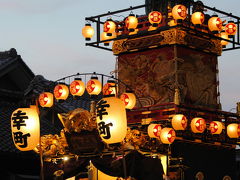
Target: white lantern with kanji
pixel 110 88
pixel 131 22
pixel 25 128
pixel 129 100
pixel 179 122
pixel 215 24
pixel 179 12
pixel 233 130
pixel 109 27
pixel 167 135
pixel 197 18
pixel 198 125
pixel 94 86
pixel 154 130
pixel 46 99
pixel 61 91
pixel 231 29
pixel 77 87
pixel 216 127
pixel 111 120
pixel 155 18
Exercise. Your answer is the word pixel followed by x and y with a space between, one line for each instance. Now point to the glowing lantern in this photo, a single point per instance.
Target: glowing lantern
pixel 224 35
pixel 109 27
pixel 155 18
pixel 233 130
pixel 231 29
pixel 198 125
pixel 197 18
pixel 25 128
pixel 46 99
pixel 131 22
pixel 216 127
pixel 179 122
pixel 154 130
pixel 88 32
pixel 167 135
pixel 179 12
pixel 77 87
pixel 111 120
pixel 94 86
pixel 61 91
pixel 110 88
pixel 215 24
pixel 129 100
pixel 104 37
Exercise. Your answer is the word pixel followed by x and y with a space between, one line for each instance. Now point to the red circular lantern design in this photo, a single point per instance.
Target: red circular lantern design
pixel 231 28
pixel 94 86
pixel 109 27
pixel 215 24
pixel 168 135
pixel 179 12
pixel 77 87
pixel 109 88
pixel 46 99
pixel 198 125
pixel 155 17
pixel 61 91
pixel 179 122
pixel 154 130
pixel 129 100
pixel 216 127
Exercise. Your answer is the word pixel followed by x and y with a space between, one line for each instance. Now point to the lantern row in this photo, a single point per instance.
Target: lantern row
pixel 198 125
pixel 77 88
pixel 179 13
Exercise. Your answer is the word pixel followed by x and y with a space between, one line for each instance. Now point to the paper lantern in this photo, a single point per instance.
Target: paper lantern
pixel 179 122
pixel 216 127
pixel 94 87
pixel 109 27
pixel 179 12
pixel 110 88
pixel 25 128
pixel 129 100
pixel 88 32
pixel 233 130
pixel 131 22
pixel 215 24
pixel 231 29
pixel 167 135
pixel 224 35
pixel 111 120
pixel 154 130
pixel 198 125
pixel 104 37
pixel 46 99
pixel 154 18
pixel 197 18
pixel 61 92
pixel 77 87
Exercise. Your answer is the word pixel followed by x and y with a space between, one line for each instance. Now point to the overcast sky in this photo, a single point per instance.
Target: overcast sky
pixel 47 34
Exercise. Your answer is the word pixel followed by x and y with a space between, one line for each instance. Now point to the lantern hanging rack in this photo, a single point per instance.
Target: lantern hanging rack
pixel 144 25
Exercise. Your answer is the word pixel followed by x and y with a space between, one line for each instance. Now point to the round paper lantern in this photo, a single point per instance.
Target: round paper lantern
pixel 110 88
pixel 197 18
pixel 109 27
pixel 111 120
pixel 233 130
pixel 224 35
pixel 179 122
pixel 61 92
pixel 154 18
pixel 88 32
pixel 215 24
pixel 179 12
pixel 167 135
pixel 46 99
pixel 131 22
pixel 198 125
pixel 129 100
pixel 216 127
pixel 25 128
pixel 154 130
pixel 231 29
pixel 94 86
pixel 77 87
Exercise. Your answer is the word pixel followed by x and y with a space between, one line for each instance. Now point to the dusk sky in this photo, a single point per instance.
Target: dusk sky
pixel 47 35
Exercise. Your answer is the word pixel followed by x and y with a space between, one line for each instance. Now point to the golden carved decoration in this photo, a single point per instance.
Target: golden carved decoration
pixel 168 37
